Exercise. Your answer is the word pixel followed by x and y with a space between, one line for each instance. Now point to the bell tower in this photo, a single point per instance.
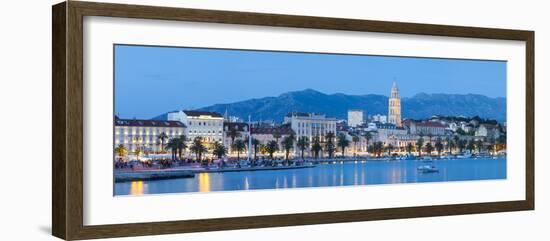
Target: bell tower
pixel 394 107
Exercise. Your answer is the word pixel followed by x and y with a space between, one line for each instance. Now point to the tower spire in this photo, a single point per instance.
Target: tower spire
pixel 226 115
pixel 394 106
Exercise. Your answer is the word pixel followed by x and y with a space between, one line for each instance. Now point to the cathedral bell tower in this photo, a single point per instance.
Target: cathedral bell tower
pixel 394 107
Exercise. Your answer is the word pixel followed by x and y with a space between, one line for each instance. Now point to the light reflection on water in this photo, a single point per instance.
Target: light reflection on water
pixel 204 182
pixel 136 188
pixel 360 173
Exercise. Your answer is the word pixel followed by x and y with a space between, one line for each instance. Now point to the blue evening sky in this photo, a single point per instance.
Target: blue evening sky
pixel 150 81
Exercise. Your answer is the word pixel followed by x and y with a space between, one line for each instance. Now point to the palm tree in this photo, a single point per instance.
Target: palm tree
pixel 501 141
pixel 238 146
pixel 288 144
pixel 456 140
pixel 162 137
pixel 138 152
pixel 330 148
pixel 377 148
pixel 479 145
pixel 368 137
pixel 316 147
pixel 173 146
pixel 219 150
pixel 121 150
pixel 263 149
pixel 329 136
pixel 419 145
pixel 439 146
pixel 389 148
pixel 429 148
pixel 355 139
pixel 471 146
pixel 430 136
pixel 256 145
pixel 272 147
pixel 181 145
pixel 233 133
pixel 449 145
pixel 342 142
pixel 198 148
pixel 461 145
pixel 302 144
pixel 277 136
pixel 409 147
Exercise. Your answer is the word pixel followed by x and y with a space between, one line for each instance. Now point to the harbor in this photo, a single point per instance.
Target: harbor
pixel 373 172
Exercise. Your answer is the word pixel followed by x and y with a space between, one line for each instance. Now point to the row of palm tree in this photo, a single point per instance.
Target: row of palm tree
pixel 178 145
pixel 316 147
pixel 440 146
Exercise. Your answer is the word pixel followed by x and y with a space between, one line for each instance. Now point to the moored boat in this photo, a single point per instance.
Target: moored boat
pixel 427 169
pixel 463 156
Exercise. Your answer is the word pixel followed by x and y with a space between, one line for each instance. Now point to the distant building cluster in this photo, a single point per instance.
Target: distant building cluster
pixel 363 134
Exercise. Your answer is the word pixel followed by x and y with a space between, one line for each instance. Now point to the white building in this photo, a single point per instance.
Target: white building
pixel 390 134
pixel 425 128
pixel 311 125
pixel 144 134
pixel 488 130
pixel 380 118
pixel 208 125
pixel 355 118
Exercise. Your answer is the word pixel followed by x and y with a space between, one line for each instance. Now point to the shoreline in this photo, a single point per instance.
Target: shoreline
pixel 179 172
pixel 158 174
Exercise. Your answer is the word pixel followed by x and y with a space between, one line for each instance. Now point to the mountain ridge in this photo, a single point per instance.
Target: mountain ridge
pixel 421 105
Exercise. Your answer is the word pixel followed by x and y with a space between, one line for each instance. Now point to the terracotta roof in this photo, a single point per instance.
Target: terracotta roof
pixel 489 126
pixel 239 126
pixel 430 124
pixel 272 130
pixel 407 122
pixel 147 123
pixel 199 113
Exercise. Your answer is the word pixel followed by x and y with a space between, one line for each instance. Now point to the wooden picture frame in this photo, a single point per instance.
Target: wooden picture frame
pixel 67 124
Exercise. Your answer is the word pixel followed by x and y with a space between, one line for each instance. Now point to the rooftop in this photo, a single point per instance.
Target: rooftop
pixel 239 126
pixel 147 123
pixel 201 113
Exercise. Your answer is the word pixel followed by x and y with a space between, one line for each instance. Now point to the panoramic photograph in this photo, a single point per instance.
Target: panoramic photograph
pixel 190 120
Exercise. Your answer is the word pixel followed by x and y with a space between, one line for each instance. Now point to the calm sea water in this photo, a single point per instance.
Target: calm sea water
pixel 324 175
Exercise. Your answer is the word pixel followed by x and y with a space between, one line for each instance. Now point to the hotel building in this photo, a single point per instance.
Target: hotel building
pixel 356 118
pixel 311 125
pixel 488 130
pixel 390 134
pixel 425 128
pixel 208 125
pixel 380 118
pixel 143 134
